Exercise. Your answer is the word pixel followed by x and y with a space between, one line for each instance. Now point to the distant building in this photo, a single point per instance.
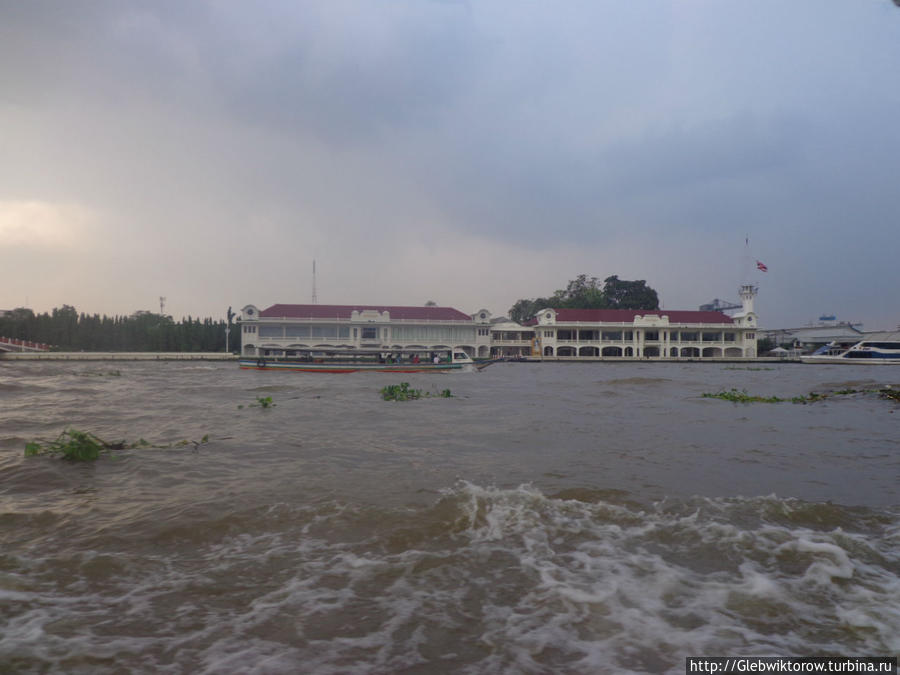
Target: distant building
pixel 283 329
pixel 642 334
pixel 510 339
pixel 809 338
pixel 648 334
pixel 588 334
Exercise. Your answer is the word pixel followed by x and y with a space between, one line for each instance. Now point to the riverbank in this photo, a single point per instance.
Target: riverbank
pixel 116 356
pixel 220 356
pixel 654 359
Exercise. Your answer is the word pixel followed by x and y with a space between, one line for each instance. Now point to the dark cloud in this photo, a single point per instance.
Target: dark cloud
pixel 347 87
pixel 632 134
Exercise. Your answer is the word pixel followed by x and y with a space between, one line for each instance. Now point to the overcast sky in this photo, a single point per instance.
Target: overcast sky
pixel 469 153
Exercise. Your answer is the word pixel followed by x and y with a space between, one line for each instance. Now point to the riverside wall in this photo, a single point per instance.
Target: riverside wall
pixel 116 356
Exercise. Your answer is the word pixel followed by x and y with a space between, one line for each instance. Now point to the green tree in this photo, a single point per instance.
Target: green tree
pixel 621 294
pixel 65 329
pixel 584 292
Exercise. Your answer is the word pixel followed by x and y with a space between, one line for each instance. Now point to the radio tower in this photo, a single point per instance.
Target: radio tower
pixel 315 298
pixel 162 306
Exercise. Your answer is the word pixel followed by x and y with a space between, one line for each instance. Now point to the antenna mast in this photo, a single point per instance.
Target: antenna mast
pixel 315 298
pixel 162 306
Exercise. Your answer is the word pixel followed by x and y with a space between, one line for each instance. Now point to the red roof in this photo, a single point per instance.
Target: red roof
pixel 627 315
pixel 343 312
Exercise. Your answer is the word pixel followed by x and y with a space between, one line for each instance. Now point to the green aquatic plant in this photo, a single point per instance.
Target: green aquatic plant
pixel 742 396
pixel 403 392
pixel 263 402
pixel 83 446
pixel 71 444
pixel 400 392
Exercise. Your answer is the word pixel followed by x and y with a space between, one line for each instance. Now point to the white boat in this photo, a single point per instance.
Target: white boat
pixel 866 352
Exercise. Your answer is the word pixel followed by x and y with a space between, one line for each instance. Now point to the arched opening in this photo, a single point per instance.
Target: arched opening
pixel 734 352
pixel 565 351
pixel 651 351
pixel 629 351
pixel 589 351
pixel 712 352
pixel 690 352
pixel 612 351
pixel 673 352
pixel 548 351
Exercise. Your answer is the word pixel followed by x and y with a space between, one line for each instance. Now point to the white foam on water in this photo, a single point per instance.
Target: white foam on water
pixel 486 580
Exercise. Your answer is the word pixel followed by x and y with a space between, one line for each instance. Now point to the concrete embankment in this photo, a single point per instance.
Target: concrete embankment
pixel 116 356
pixel 657 359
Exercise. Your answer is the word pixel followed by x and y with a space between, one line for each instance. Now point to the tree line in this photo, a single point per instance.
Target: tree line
pixel 67 330
pixel 585 292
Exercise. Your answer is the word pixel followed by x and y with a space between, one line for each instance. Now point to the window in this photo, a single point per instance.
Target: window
pixel 651 336
pixel 729 337
pixel 369 333
pixel 689 337
pixel 434 333
pixel 749 336
pixel 548 333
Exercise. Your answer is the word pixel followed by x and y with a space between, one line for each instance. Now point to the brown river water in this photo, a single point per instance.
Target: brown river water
pixel 549 518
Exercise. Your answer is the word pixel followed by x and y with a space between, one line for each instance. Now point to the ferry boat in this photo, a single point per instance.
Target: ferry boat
pixel 356 360
pixel 868 352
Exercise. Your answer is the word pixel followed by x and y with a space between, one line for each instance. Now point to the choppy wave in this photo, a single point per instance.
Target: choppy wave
pixel 483 580
pixel 327 534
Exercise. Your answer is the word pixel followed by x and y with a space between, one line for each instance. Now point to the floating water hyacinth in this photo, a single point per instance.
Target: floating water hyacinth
pixel 741 396
pixel 83 446
pixel 263 402
pixel 402 392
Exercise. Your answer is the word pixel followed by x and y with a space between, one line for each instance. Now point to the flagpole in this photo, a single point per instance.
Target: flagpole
pixel 746 262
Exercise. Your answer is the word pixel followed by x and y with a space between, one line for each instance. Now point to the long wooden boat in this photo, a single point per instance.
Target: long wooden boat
pixel 339 361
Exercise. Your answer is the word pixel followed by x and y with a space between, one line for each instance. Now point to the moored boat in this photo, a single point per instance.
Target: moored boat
pixel 337 361
pixel 865 352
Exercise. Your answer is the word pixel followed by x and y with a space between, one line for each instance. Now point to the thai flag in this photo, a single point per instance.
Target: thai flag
pixel 761 267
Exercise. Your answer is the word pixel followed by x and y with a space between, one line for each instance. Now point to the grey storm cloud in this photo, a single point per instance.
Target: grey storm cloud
pixel 526 130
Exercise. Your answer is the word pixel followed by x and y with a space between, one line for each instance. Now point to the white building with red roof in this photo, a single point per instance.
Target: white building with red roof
pixel 643 334
pixel 647 334
pixel 284 329
pixel 564 334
